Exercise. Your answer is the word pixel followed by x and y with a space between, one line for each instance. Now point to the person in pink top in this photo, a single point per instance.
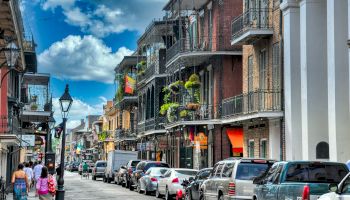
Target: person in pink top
pixel 42 185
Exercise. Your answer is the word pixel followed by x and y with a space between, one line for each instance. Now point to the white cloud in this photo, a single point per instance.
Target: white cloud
pixel 105 17
pixel 78 111
pixel 81 58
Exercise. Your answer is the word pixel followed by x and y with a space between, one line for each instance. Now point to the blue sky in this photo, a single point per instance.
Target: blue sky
pixel 80 42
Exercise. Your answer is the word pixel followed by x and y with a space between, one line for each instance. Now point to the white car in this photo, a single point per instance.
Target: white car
pixel 171 182
pixel 338 192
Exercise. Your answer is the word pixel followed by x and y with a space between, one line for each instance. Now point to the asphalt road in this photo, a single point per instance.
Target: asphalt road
pixel 84 189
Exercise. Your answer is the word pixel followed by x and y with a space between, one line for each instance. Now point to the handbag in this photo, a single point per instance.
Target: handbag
pixel 51 185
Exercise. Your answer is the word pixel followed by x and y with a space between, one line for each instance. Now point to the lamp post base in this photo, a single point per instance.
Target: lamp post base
pixel 60 194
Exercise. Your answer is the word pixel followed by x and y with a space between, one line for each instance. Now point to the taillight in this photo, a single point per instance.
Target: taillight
pixel 154 179
pixel 231 189
pixel 130 171
pixel 179 194
pixel 306 193
pixel 175 180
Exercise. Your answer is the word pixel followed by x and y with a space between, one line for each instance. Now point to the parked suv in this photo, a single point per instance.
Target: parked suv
pixel 130 167
pixel 140 170
pixel 233 177
pixel 99 169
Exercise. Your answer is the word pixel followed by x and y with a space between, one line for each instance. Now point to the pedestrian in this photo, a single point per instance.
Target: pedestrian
pixel 20 184
pixel 45 186
pixel 29 173
pixel 37 170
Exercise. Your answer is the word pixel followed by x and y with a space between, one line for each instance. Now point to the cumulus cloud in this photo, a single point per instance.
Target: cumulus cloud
pixel 81 58
pixel 78 111
pixel 105 17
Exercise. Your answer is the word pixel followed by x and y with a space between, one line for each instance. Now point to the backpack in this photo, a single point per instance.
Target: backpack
pixel 51 185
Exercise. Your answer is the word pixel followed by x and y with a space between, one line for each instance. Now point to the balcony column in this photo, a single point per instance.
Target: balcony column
pixel 338 80
pixel 275 139
pixel 292 91
pixel 313 60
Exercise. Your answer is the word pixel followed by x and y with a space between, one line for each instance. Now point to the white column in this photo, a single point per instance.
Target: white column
pixel 338 80
pixel 275 139
pixel 313 60
pixel 292 99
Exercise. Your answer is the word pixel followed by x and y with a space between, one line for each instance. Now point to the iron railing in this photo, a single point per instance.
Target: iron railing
pixel 148 73
pixel 199 44
pixel 251 19
pixel 252 102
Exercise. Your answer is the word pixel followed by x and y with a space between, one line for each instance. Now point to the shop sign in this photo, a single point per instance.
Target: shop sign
pixel 28 140
pixel 202 140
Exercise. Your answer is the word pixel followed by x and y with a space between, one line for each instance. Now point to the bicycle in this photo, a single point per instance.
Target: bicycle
pixel 3 189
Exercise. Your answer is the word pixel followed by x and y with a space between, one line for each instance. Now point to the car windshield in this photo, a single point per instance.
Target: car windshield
pixel 181 173
pixel 134 163
pixel 149 165
pixel 101 164
pixel 155 171
pixel 248 171
pixel 316 173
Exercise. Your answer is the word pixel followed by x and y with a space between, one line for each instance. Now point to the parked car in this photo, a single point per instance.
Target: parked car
pixel 233 178
pixel 130 167
pixel 298 180
pixel 73 166
pixel 140 170
pixel 338 192
pixel 171 181
pixel 192 189
pixel 120 175
pixel 99 169
pixel 149 182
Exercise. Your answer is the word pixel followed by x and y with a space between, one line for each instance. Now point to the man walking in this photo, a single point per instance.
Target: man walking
pixel 29 172
pixel 37 171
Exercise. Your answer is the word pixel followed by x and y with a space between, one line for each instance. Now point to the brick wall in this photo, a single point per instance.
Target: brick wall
pixel 231 76
pixel 257 134
pixel 222 146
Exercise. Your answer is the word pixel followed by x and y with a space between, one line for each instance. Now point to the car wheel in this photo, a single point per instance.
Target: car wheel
pixel 147 192
pixel 138 187
pixel 158 195
pixel 131 187
pixel 167 195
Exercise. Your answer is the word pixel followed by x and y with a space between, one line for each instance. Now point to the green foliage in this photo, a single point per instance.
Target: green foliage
pixel 194 78
pixel 175 86
pixel 141 68
pixel 171 113
pixel 34 107
pixel 102 136
pixel 184 113
pixel 167 95
pixel 193 82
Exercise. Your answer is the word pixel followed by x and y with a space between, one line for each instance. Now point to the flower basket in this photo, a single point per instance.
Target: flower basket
pixel 184 114
pixel 175 87
pixel 34 107
pixel 192 106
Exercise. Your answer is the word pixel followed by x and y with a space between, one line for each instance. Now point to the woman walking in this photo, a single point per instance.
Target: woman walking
pixel 44 185
pixel 20 184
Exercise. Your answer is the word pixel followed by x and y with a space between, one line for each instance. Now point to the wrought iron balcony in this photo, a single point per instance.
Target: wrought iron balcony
pixel 148 73
pixel 252 25
pixel 198 47
pixel 9 124
pixel 252 102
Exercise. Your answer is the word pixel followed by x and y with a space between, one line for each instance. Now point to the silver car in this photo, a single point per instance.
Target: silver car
pixel 149 182
pixel 171 182
pixel 338 192
pixel 233 179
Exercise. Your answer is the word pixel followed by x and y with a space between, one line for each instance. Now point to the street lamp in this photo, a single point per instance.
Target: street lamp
pixel 11 52
pixel 65 102
pixel 49 155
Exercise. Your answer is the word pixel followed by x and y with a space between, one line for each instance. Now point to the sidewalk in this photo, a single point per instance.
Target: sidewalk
pixel 31 196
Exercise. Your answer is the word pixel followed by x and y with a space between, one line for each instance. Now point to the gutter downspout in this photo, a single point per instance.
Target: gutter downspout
pixel 282 129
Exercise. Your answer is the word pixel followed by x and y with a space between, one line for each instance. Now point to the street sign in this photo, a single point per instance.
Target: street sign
pixel 28 140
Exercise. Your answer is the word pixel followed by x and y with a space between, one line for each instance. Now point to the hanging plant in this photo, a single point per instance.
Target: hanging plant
pixel 167 95
pixel 171 112
pixel 141 68
pixel 175 86
pixel 34 107
pixel 193 82
pixel 184 113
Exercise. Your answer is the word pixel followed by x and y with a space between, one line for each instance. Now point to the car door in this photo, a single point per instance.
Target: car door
pixel 207 186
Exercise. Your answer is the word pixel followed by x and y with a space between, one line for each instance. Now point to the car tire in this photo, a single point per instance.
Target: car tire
pixel 167 195
pixel 158 195
pixel 138 187
pixel 147 192
pixel 131 188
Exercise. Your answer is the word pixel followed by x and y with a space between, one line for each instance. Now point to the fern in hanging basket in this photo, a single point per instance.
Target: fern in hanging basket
pixel 175 87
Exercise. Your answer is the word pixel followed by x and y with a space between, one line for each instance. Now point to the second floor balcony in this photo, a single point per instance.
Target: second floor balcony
pixel 260 103
pixel 254 24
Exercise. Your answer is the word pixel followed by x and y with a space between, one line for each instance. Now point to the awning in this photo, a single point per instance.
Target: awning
pixel 10 139
pixel 236 138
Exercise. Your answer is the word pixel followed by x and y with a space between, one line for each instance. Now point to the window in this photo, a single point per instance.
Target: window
pixel 204 175
pixel 251 148
pixel 263 148
pixel 263 85
pixel 345 188
pixel 316 172
pixel 248 171
pixel 218 171
pixel 276 71
pixel 250 74
pixel 228 168
pixel 322 150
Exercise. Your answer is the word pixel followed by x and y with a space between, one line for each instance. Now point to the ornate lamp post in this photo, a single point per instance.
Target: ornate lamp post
pixel 66 103
pixel 11 52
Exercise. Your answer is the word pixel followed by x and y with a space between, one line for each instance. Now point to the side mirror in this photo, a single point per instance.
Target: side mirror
pixel 333 187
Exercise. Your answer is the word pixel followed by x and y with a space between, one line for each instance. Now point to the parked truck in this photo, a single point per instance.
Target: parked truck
pixel 298 180
pixel 115 160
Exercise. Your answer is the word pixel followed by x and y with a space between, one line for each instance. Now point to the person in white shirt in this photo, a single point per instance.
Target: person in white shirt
pixel 29 172
pixel 37 171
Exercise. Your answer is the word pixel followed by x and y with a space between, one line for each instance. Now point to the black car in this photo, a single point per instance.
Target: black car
pixel 73 166
pixel 130 168
pixel 192 190
pixel 141 168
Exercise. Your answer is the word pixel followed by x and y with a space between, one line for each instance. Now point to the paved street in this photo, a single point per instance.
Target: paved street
pixel 83 189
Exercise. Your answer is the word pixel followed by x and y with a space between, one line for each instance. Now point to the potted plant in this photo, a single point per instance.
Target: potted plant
pixel 192 86
pixel 141 68
pixel 34 107
pixel 171 112
pixel 175 86
pixel 184 114
pixel 193 106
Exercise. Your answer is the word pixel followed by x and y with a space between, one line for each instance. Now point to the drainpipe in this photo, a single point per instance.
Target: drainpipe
pixel 282 130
